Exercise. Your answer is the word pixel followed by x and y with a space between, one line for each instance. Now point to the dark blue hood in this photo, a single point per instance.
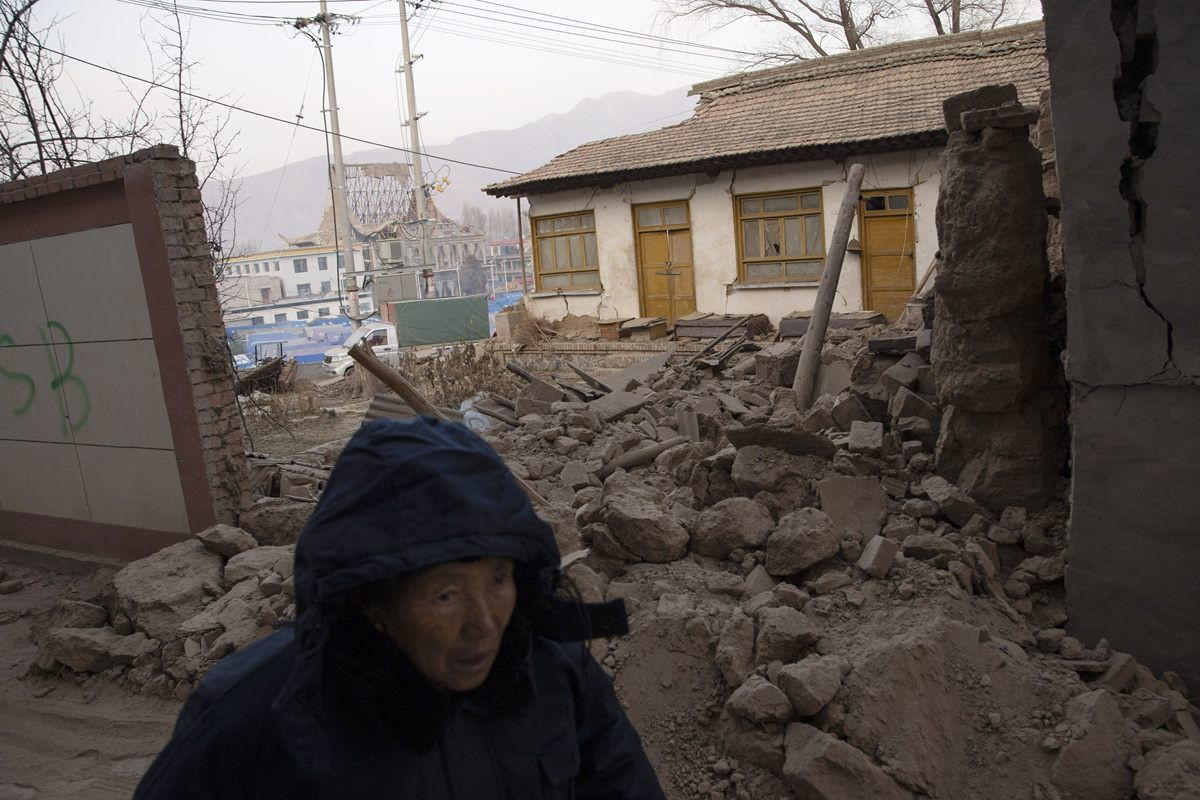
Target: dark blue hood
pixel 406 495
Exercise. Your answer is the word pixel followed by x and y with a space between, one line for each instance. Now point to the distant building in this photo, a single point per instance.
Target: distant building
pixel 293 284
pixel 508 267
pixel 730 210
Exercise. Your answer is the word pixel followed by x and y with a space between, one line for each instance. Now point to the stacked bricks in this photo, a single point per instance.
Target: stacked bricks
pixel 189 256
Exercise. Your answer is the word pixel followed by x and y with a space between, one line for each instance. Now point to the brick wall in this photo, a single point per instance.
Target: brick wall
pixel 181 213
pixel 152 198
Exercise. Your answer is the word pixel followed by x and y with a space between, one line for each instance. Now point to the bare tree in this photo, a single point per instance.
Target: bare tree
pixel 955 16
pixel 201 130
pixel 820 27
pixel 39 131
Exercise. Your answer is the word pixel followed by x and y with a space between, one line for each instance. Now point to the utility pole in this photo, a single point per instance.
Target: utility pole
pixel 341 209
pixel 414 130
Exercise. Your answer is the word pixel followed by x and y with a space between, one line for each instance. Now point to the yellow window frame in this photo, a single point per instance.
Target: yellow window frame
pixel 808 258
pixel 568 241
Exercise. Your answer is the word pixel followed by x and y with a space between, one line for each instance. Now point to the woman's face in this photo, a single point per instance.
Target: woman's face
pixel 449 619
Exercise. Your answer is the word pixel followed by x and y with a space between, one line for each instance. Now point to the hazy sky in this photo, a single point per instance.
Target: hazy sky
pixel 485 63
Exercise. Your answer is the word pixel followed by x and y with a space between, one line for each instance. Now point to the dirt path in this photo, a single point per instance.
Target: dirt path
pixel 59 740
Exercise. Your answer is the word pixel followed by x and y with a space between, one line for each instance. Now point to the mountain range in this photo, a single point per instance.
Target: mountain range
pixel 290 201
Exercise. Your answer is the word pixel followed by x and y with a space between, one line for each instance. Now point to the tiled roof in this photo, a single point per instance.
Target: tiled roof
pixel 883 98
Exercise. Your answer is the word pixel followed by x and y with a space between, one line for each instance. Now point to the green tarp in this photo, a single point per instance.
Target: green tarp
pixel 441 320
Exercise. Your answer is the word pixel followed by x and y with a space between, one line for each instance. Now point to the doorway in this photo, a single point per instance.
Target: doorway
pixel 889 274
pixel 666 284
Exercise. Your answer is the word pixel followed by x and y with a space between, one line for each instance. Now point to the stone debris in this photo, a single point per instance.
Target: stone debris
pixel 817 611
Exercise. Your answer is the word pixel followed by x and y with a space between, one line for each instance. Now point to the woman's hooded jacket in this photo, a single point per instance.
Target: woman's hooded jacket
pixel 329 708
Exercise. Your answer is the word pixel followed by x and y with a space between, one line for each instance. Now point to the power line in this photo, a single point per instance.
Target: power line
pixel 288 157
pixel 570 22
pixel 546 45
pixel 560 30
pixel 263 115
pixel 576 52
pixel 518 39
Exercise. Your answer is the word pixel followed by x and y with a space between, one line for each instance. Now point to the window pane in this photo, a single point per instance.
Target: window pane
pixel 585 279
pixel 649 217
pixel 786 202
pixel 589 250
pixel 875 203
pixel 576 252
pixel 562 253
pixel 752 206
pixel 803 270
pixel 566 223
pixel 556 281
pixel 810 200
pixel 750 244
pixel 545 225
pixel 675 215
pixel 792 240
pixel 812 235
pixel 761 271
pixel 587 221
pixel 771 244
pixel 546 255
pixel 898 202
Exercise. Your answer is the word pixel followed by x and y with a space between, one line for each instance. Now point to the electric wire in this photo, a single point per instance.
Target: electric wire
pixel 562 26
pixel 272 117
pixel 469 31
pixel 512 38
pixel 573 21
pixel 559 30
pixel 579 23
pixel 288 156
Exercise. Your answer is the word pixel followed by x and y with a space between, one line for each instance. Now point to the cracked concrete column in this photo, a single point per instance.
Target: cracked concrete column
pixel 1125 100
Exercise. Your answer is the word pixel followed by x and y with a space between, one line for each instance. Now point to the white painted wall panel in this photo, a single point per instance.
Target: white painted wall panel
pixel 40 478
pixel 92 284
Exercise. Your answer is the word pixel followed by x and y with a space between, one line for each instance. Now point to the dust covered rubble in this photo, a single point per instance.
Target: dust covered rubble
pixel 161 622
pixel 818 614
pixel 815 613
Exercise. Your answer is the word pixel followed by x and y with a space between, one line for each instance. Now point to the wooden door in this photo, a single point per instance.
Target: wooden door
pixel 666 285
pixel 889 274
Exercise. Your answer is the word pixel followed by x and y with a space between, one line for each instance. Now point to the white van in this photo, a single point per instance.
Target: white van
pixel 380 336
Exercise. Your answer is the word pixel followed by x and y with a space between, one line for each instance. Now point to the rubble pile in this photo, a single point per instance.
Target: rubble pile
pixel 815 612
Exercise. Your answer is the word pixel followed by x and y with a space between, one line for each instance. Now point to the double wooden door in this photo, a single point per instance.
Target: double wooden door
pixel 666 283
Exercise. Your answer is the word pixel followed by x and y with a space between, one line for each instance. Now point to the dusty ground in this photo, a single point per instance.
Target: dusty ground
pixel 286 424
pixel 60 740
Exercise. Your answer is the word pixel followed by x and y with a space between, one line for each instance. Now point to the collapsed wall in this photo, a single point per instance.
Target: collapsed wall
pixel 119 432
pixel 1125 97
pixel 1003 436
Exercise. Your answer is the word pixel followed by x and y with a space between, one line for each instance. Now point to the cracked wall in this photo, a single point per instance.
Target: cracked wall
pixel 1125 95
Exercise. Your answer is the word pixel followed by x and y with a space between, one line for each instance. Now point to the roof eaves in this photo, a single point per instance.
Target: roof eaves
pixel 715 164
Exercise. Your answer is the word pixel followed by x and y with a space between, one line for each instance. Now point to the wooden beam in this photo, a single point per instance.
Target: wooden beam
pixel 395 381
pixel 708 348
pixel 814 337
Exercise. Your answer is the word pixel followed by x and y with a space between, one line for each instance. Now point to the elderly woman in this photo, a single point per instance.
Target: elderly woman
pixel 432 656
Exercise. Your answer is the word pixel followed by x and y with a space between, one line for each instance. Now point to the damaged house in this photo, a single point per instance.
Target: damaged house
pixel 730 211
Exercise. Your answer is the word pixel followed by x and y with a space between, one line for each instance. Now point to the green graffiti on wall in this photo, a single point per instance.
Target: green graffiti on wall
pixel 63 378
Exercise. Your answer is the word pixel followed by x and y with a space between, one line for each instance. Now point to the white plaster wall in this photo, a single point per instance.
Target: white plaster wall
pixel 710 203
